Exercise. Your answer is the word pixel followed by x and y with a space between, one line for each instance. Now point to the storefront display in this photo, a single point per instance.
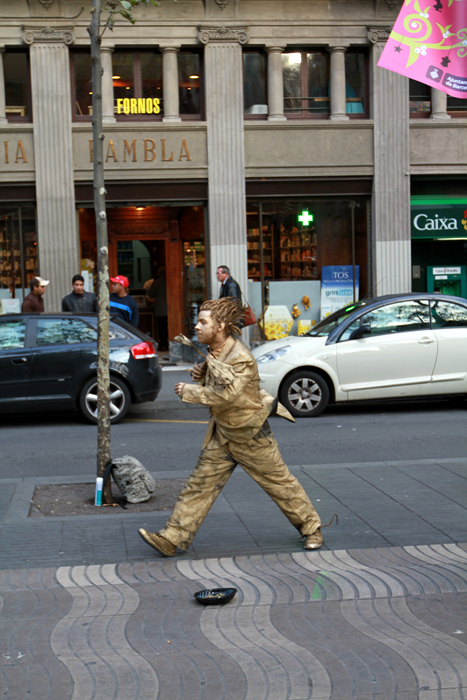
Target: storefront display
pixel 18 251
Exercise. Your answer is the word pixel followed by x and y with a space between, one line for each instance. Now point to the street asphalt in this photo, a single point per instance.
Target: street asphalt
pixel 90 611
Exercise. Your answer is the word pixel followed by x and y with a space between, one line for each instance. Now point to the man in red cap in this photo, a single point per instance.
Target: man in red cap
pixel 121 303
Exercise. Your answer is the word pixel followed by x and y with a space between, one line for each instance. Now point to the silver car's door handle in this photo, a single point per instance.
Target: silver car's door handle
pixel 19 360
pixel 426 341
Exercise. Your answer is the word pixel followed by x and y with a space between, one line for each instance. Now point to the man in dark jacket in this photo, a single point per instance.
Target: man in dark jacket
pixel 33 302
pixel 229 287
pixel 79 300
pixel 121 303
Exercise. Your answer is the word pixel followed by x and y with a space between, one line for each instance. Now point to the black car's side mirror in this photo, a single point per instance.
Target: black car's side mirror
pixel 360 332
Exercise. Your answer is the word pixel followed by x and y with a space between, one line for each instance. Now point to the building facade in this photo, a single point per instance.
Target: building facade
pixel 259 134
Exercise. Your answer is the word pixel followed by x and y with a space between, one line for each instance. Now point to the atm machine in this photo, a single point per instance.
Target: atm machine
pixel 448 280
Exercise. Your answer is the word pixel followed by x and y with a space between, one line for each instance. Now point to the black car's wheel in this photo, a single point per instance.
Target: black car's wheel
pixel 120 400
pixel 305 394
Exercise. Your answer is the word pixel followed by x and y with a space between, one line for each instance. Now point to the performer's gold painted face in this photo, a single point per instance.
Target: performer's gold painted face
pixel 206 328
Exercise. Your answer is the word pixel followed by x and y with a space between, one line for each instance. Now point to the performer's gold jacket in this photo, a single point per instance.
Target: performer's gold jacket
pixel 238 407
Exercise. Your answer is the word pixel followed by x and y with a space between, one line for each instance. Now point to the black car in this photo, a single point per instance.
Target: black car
pixel 48 362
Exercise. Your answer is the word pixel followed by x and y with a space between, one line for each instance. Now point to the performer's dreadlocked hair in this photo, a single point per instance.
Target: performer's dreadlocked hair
pixel 227 310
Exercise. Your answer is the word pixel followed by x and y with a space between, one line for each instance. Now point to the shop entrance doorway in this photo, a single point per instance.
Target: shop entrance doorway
pixel 152 247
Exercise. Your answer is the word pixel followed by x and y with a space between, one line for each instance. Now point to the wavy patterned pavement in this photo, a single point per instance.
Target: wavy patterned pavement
pixel 369 624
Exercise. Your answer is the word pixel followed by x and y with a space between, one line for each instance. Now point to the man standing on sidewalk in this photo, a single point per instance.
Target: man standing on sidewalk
pixel 238 433
pixel 79 300
pixel 33 302
pixel 121 303
pixel 229 286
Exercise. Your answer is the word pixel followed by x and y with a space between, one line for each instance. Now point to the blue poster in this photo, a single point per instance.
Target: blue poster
pixel 337 287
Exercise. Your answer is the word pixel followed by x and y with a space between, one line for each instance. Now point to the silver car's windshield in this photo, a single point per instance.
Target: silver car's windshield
pixel 327 325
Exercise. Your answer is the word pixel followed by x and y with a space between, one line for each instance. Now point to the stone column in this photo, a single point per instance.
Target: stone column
pixel 108 116
pixel 226 151
pixel 3 119
pixel 51 106
pixel 337 83
pixel 275 84
pixel 439 101
pixel 170 84
pixel 391 183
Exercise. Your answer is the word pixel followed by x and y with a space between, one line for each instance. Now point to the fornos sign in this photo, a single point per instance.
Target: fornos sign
pixel 133 105
pixel 449 221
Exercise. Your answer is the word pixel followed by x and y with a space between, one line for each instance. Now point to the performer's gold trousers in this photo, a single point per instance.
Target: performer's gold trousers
pixel 261 459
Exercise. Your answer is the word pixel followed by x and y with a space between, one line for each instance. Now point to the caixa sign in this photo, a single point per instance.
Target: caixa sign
pixel 439 222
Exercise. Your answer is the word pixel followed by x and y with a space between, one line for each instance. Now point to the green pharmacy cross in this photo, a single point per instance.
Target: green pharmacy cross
pixel 305 217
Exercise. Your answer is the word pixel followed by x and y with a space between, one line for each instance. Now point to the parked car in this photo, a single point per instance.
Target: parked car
pixel 48 362
pixel 405 345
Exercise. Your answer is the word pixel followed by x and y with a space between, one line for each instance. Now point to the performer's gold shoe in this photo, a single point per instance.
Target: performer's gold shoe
pixel 157 542
pixel 314 541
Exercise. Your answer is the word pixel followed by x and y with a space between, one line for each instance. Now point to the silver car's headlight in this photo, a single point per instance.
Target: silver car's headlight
pixel 273 355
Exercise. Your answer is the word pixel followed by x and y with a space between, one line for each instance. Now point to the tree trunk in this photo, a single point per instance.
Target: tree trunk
pixel 103 388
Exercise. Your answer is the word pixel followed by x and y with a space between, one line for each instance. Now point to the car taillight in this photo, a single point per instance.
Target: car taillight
pixel 143 350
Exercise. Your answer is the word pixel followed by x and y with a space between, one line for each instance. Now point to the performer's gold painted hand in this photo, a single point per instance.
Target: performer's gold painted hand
pixel 179 388
pixel 197 371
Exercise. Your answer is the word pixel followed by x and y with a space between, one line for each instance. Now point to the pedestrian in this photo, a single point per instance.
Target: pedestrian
pixel 229 287
pixel 34 302
pixel 157 293
pixel 78 299
pixel 238 433
pixel 122 304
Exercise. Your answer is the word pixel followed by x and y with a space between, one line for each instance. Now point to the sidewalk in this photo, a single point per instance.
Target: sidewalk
pixel 380 613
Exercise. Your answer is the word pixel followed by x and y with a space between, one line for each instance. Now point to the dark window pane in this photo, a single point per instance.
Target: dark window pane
pixel 355 83
pixel 123 77
pixel 419 96
pixel 254 76
pixel 318 82
pixel 16 72
pixel 151 75
pixel 12 334
pixel 83 86
pixel 455 104
pixel 291 66
pixel 188 82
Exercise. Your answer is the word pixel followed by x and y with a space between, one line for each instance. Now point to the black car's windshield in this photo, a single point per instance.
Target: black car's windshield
pixel 327 325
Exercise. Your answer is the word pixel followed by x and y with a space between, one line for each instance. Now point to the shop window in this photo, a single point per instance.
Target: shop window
pixel 456 107
pixel 189 84
pixel 82 84
pixel 356 84
pixel 255 85
pixel 137 81
pixel 18 251
pixel 306 84
pixel 17 86
pixel 419 99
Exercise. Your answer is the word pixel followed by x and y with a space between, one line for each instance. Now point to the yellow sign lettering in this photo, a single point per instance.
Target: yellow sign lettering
pixel 149 150
pixel 134 105
pixel 157 105
pixel 119 105
pixel 129 149
pixel 126 106
pixel 141 106
pixel 23 154
pixel 184 152
pixel 163 152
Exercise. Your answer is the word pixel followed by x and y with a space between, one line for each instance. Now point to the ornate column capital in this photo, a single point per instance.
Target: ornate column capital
pixel 107 48
pixel 224 34
pixel 56 35
pixel 378 34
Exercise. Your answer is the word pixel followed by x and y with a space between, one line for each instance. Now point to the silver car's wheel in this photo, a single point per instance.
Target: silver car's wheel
pixel 304 394
pixel 120 400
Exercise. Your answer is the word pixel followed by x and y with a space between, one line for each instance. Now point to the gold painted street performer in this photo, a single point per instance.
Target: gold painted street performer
pixel 238 433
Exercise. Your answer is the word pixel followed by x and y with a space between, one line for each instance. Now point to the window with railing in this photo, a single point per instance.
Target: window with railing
pixel 306 84
pixel 190 84
pixel 457 107
pixel 419 99
pixel 356 82
pixel 137 82
pixel 17 86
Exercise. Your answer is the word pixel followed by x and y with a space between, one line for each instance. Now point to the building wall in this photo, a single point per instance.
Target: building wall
pixel 224 149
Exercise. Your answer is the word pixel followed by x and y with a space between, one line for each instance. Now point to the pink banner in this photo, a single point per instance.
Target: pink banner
pixel 429 43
